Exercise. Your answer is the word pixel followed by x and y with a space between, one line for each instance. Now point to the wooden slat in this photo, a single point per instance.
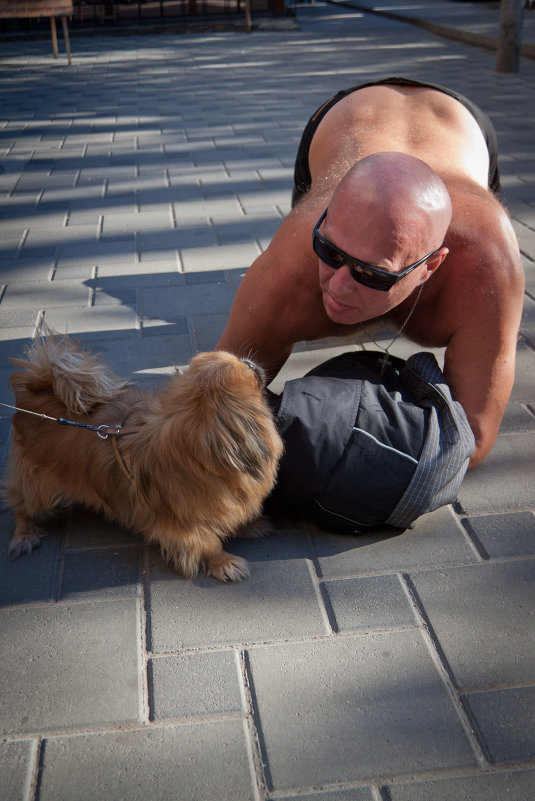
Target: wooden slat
pixel 35 8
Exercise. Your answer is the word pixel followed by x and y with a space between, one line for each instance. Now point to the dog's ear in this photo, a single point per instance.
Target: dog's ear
pixel 241 447
pixel 229 444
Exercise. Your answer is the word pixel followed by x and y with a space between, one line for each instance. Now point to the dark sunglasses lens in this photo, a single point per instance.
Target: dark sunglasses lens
pixel 335 259
pixel 327 253
pixel 369 279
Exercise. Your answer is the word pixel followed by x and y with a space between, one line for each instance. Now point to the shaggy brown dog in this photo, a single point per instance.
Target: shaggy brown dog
pixel 186 467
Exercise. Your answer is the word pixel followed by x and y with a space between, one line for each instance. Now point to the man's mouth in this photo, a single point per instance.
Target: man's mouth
pixel 332 304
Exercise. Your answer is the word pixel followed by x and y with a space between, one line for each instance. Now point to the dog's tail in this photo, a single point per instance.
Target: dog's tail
pixel 59 365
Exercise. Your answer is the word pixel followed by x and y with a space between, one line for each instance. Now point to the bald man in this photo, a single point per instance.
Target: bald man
pixel 396 215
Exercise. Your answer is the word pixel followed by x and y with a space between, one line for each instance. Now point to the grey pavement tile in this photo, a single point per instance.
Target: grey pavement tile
pixel 11 235
pixel 140 271
pixel 120 246
pixel 45 293
pixel 207 761
pixel 25 270
pixel 28 579
pixel 36 250
pixel 170 240
pixel 260 226
pixel 347 709
pixel 104 322
pixel 234 278
pixel 506 722
pixel 135 356
pixel 354 794
pixel 16 325
pixel 72 270
pixel 527 325
pixel 492 604
pixel 224 257
pixel 52 200
pixel 504 535
pixel 266 199
pixel 488 786
pixel 17 760
pixel 277 601
pixel 517 417
pixel 169 257
pixel 170 303
pixel 369 604
pixel 186 209
pixel 83 671
pixel 529 272
pixel 127 296
pixel 149 199
pixel 101 574
pixel 504 481
pixel 143 221
pixel 525 236
pixel 152 327
pixel 195 685
pixel 436 538
pixel 206 330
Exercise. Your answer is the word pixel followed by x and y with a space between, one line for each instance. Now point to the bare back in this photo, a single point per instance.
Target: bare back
pixel 423 122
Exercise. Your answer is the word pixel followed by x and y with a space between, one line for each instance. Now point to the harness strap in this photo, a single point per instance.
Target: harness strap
pixel 121 462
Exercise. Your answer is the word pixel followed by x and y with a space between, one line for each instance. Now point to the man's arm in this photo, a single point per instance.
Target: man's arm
pixel 279 301
pixel 480 357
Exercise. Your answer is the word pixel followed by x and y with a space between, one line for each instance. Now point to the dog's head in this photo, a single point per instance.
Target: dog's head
pixel 221 418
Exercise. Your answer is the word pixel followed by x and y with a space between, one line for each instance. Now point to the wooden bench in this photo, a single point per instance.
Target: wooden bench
pixel 35 9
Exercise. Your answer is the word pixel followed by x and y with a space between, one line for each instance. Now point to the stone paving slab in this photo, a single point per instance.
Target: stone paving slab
pixel 137 186
pixel 494 605
pixel 489 787
pixel 132 766
pixel 195 685
pixel 75 651
pixel 350 709
pixel 506 720
pixel 436 539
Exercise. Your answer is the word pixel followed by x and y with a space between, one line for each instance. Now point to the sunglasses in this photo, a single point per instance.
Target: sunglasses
pixel 362 272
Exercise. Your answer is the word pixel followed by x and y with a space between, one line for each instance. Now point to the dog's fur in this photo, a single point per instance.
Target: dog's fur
pixel 202 461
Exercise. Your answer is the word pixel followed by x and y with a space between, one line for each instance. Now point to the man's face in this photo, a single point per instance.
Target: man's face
pixel 347 301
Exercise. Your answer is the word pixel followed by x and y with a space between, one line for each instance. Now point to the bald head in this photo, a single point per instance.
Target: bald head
pixel 398 197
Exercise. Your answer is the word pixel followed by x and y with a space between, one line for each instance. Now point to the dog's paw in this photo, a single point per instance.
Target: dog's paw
pixel 25 542
pixel 227 567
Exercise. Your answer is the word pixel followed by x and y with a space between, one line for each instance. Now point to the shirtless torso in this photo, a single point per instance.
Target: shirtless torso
pixel 471 304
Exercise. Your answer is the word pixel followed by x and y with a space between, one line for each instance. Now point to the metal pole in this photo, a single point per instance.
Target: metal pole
pixel 510 35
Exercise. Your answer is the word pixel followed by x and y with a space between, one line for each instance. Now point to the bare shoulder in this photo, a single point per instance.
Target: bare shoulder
pixel 483 273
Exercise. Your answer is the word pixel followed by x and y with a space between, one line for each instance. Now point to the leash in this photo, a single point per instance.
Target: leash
pixel 103 431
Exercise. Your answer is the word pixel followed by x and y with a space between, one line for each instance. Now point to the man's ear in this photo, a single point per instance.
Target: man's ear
pixel 435 261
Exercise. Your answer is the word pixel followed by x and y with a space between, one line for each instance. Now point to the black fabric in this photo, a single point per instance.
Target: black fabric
pixel 363 450
pixel 302 177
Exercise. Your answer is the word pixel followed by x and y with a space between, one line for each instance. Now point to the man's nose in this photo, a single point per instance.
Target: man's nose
pixel 341 279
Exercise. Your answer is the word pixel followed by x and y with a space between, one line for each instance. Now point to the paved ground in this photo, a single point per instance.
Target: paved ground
pixel 137 186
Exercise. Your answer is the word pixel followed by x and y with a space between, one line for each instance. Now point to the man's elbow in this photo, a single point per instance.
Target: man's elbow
pixel 484 444
pixel 477 457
